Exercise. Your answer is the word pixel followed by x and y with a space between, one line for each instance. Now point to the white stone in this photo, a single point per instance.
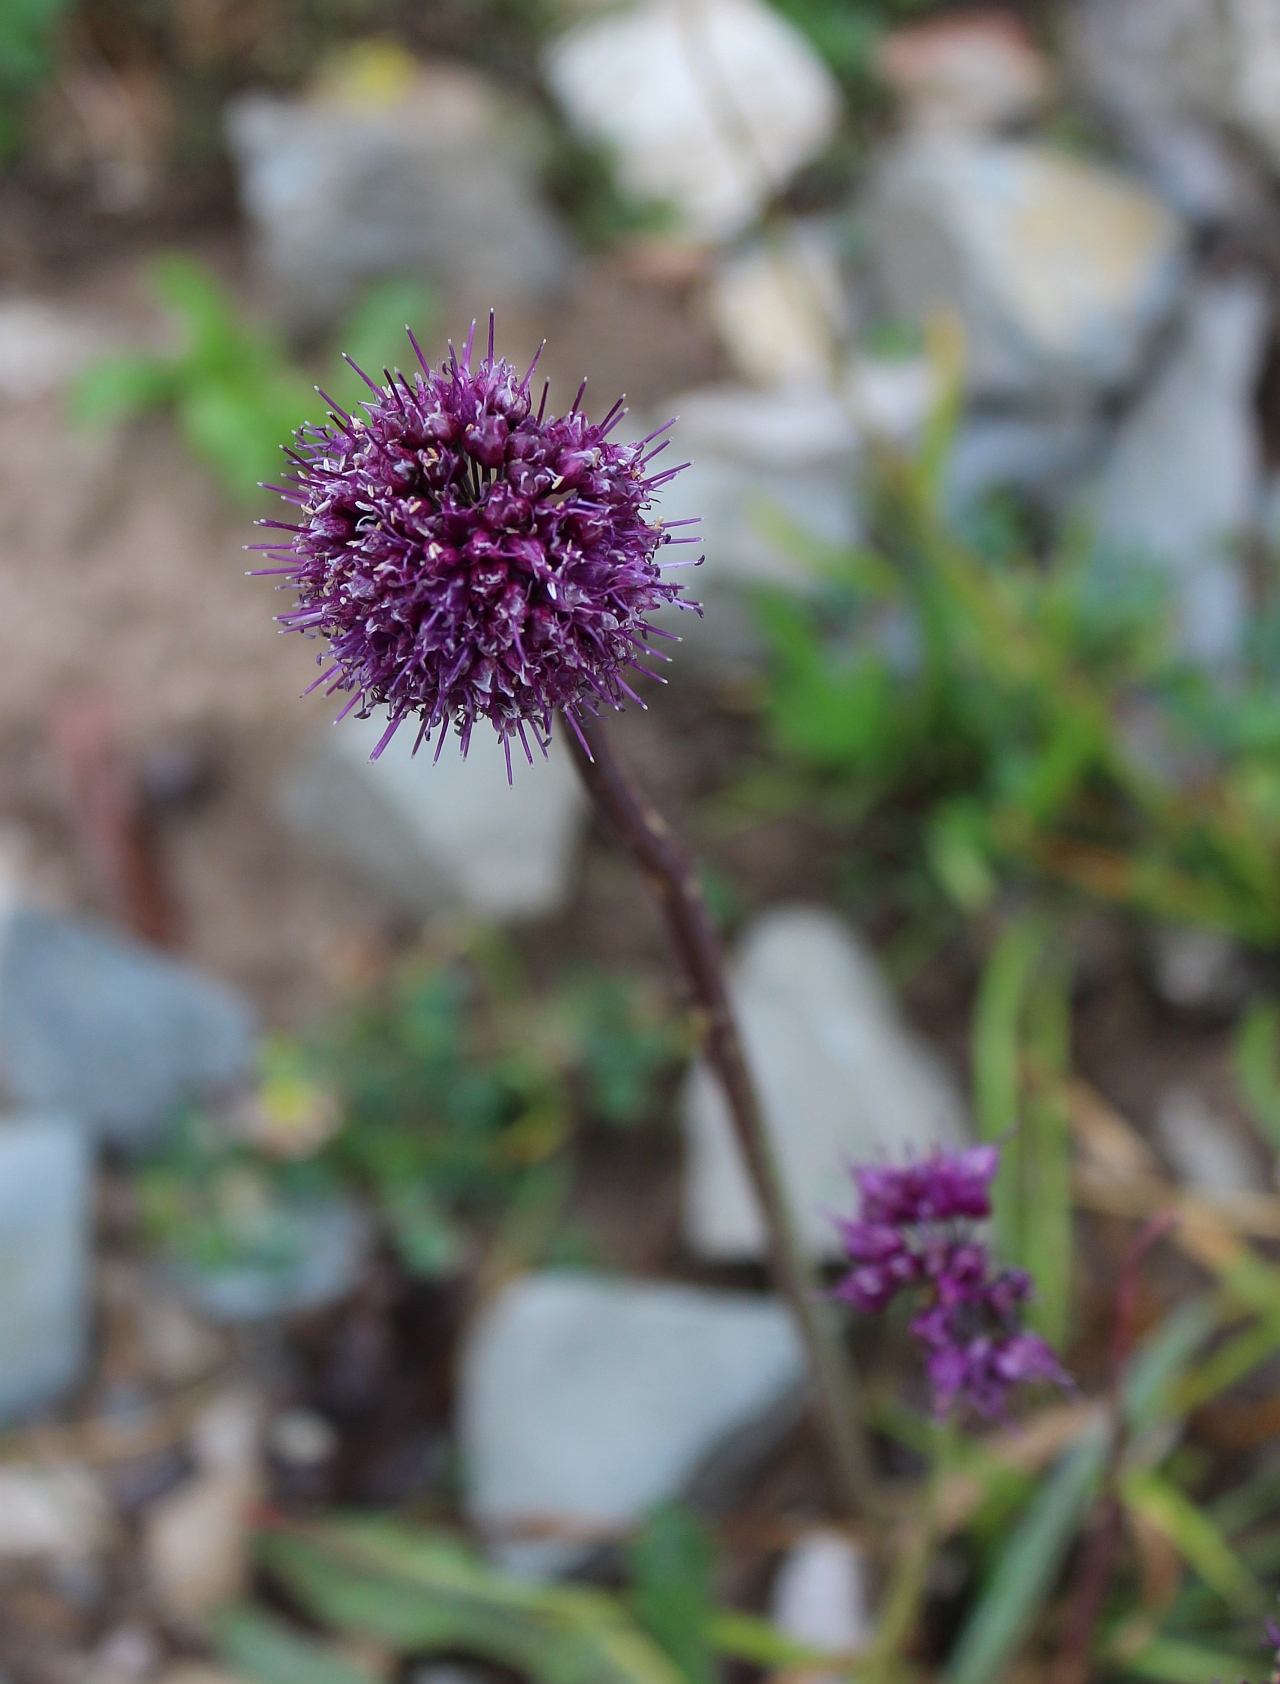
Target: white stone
pixel 841 1078
pixel 891 398
pixel 54 1513
pixel 779 309
pixel 822 1594
pixel 772 483
pixel 438 835
pixel 972 74
pixel 1058 269
pixel 195 1547
pixel 1203 1150
pixel 709 104
pixel 1183 483
pixel 226 1436
pixel 586 1400
pixel 427 173
pixel 44 1259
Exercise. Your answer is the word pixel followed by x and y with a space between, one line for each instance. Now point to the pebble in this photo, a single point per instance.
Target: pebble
pixel 45 1174
pixel 435 837
pixel 821 1593
pixel 585 1400
pixel 391 166
pixel 842 1080
pixel 99 1028
pixel 972 73
pixel 1183 484
pixel 1205 1153
pixel 1060 270
pixel 711 105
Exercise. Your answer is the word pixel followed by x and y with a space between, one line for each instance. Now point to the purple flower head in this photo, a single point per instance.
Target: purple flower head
pixel 466 558
pixel 935 1189
pixel 914 1228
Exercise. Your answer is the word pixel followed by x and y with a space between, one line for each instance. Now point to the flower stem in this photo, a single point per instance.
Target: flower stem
pixel 653 847
pixel 905 1592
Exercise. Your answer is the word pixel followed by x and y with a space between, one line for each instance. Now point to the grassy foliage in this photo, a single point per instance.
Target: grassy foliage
pixel 977 712
pixel 450 1094
pixel 229 385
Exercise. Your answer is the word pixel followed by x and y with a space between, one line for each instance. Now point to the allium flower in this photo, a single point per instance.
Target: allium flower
pixel 466 558
pixel 912 1230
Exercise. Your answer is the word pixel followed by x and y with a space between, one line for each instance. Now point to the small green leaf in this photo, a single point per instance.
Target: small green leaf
pixel 1193 1534
pixel 1168 1660
pixel 672 1561
pixel 266 1650
pixel 1028 1567
pixel 1256 1060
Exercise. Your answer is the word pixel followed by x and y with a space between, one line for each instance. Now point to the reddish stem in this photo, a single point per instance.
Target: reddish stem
pixel 651 844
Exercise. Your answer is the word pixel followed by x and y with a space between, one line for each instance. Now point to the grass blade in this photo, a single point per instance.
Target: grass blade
pixel 1028 1566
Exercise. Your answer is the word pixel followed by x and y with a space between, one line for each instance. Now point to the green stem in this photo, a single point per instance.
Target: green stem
pixel 900 1607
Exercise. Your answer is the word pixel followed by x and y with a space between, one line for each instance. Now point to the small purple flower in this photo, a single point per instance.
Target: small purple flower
pixel 912 1228
pixel 466 558
pixel 937 1188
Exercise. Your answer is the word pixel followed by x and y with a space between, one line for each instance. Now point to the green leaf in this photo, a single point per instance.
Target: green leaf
pixel 1193 1534
pixel 265 1649
pixel 1168 1660
pixel 420 1590
pixel 672 1561
pixel 374 336
pixel 1256 1060
pixel 997 1060
pixel 746 1637
pixel 1046 1156
pixel 1163 1358
pixel 1028 1566
pixel 121 388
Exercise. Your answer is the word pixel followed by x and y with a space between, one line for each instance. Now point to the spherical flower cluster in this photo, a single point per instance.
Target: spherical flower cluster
pixel 467 558
pixel 911 1230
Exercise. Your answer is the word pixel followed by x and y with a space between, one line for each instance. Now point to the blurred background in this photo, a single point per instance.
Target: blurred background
pixel 357 1156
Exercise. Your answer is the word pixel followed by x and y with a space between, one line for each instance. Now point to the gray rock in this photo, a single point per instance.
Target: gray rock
pixel 1046 458
pixel 1182 81
pixel 1060 270
pixel 772 473
pixel 97 1027
pixel 710 105
pixel 842 1079
pixel 44 1261
pixel 1184 481
pixel 438 181
pixel 1207 1156
pixel 588 1400
pixel 432 837
pixel 1199 970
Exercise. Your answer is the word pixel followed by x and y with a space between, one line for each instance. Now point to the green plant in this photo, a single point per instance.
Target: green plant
pixel 966 707
pixel 461 1092
pixel 230 386
pixel 420 1591
pixel 29 32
